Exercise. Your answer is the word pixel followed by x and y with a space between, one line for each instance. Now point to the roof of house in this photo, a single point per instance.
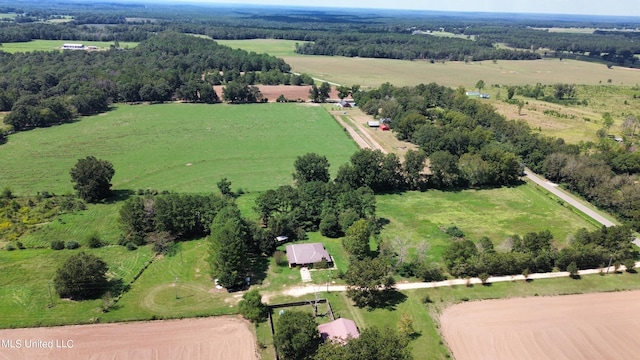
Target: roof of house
pixel 339 329
pixel 306 253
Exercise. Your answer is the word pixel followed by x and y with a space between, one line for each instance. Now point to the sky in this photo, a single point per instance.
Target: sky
pixel 581 7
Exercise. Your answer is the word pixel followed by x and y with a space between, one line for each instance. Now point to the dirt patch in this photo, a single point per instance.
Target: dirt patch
pixel 291 92
pixel 591 326
pixel 209 338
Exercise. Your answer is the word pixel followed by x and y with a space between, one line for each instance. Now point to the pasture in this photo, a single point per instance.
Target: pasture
pixel 177 147
pixel 495 213
pixel 56 45
pixel 273 47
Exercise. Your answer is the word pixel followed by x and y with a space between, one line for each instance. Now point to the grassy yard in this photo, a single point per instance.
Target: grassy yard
pixel 495 213
pixel 177 147
pixel 50 45
pixel 26 288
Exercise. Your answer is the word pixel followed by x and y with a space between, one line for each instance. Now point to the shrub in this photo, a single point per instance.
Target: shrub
pixel 20 246
pixel 483 278
pixel 280 258
pixel 573 270
pixel 57 245
pixel 94 241
pixel 454 231
pixel 407 269
pixel 322 264
pixel 131 246
pixel 630 265
pixel 10 247
pixel 72 244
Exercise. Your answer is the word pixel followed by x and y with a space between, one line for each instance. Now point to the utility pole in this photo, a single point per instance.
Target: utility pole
pixel 175 285
pixel 609 267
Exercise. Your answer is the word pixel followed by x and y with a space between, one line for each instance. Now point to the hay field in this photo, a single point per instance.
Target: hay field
pixel 591 326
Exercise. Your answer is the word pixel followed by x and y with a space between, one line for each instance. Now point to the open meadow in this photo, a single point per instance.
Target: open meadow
pixel 495 213
pixel 50 45
pixel 177 147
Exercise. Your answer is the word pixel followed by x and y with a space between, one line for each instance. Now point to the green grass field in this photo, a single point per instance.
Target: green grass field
pixel 274 47
pixel 50 45
pixel 177 147
pixel 27 278
pixel 495 213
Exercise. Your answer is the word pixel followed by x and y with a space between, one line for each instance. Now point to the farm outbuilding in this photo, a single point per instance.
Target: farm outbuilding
pixel 340 330
pixel 307 254
pixel 373 123
pixel 73 47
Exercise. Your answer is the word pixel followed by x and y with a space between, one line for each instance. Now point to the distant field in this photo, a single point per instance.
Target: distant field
pixel 177 147
pixel 50 45
pixel 273 47
pixel 495 213
pixel 373 72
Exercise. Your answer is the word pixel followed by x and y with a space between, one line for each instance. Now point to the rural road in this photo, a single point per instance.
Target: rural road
pixel 553 188
pixel 310 289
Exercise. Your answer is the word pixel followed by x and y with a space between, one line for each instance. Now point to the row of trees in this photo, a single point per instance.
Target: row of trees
pixel 408 47
pixel 535 252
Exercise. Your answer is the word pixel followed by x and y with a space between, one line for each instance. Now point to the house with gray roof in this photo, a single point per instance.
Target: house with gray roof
pixel 307 254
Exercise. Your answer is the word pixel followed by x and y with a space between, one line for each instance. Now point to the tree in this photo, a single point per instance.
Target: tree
pixel 520 105
pixel 413 166
pixel 252 307
pixel 368 282
pixel 573 270
pixel 444 169
pixel 480 85
pixel 343 91
pixel 91 178
pixel 224 186
pixel 510 92
pixel 314 94
pixel 356 240
pixel 82 276
pixel 311 167
pixel 607 120
pixel 228 248
pixel 297 336
pixel 405 325
pixel 323 92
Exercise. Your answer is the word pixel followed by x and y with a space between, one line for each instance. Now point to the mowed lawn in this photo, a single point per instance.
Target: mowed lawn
pixel 177 147
pixel 495 213
pixel 50 45
pixel 274 47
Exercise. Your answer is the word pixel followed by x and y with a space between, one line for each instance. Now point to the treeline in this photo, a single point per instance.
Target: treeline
pixel 45 88
pixel 610 46
pixel 535 252
pixel 408 47
pixel 594 179
pixel 468 143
